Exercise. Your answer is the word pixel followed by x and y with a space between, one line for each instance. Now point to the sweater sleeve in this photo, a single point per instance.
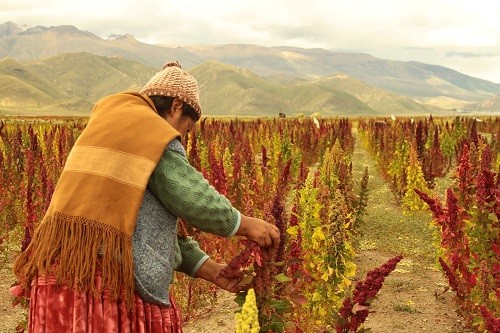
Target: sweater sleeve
pixel 192 256
pixel 188 195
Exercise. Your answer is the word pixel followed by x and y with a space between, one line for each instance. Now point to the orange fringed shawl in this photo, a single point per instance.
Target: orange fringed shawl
pixel 89 224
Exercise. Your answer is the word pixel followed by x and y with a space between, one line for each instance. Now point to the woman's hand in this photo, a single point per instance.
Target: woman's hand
pixel 210 271
pixel 233 284
pixel 263 233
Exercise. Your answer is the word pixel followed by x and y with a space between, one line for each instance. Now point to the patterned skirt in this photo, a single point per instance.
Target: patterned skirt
pixel 57 308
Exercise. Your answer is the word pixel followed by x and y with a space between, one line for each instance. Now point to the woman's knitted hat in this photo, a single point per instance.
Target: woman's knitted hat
pixel 172 81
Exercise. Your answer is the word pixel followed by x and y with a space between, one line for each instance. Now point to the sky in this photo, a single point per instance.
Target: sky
pixel 463 35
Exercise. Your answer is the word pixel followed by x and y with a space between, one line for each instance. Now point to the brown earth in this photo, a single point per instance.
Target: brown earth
pixel 414 298
pixel 10 317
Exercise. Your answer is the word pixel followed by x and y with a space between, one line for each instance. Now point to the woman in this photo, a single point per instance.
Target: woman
pixel 102 258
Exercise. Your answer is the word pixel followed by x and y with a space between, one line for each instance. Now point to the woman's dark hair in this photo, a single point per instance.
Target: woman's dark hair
pixel 164 103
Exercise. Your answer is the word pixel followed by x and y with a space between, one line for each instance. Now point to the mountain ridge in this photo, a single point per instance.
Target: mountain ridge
pixel 71 83
pixel 422 83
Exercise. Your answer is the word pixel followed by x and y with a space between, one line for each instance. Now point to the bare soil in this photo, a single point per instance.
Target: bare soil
pixel 10 316
pixel 220 320
pixel 414 298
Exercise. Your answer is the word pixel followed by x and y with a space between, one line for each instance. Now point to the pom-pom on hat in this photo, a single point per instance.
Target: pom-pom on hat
pixel 172 81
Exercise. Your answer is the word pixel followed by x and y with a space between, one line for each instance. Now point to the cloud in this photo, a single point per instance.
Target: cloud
pixel 473 54
pixel 414 48
pixel 445 32
pixel 16 5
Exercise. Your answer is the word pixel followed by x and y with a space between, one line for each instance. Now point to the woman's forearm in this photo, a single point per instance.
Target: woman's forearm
pixel 208 271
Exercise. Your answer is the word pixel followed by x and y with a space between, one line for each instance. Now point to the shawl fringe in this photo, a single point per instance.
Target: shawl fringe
pixel 73 249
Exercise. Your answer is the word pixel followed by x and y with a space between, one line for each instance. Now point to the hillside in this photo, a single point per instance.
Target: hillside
pixel 413 79
pixel 229 90
pixel 225 87
pixel 377 99
pixel 67 83
pixel 22 88
pixel 87 76
pixel 425 82
pixel 490 105
pixel 27 44
pixel 71 83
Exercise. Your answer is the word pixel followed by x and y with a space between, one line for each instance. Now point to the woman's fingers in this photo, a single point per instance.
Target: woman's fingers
pixel 269 241
pixel 275 235
pixel 262 232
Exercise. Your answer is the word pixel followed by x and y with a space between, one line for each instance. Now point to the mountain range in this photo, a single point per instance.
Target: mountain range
pixel 63 70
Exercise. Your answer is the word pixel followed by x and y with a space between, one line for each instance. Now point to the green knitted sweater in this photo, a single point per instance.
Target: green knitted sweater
pixel 176 190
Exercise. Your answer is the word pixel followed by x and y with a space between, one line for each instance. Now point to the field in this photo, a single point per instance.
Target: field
pixel 343 193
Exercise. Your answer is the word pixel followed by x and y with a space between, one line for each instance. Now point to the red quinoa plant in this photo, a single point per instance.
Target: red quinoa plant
pixel 355 308
pixel 470 238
